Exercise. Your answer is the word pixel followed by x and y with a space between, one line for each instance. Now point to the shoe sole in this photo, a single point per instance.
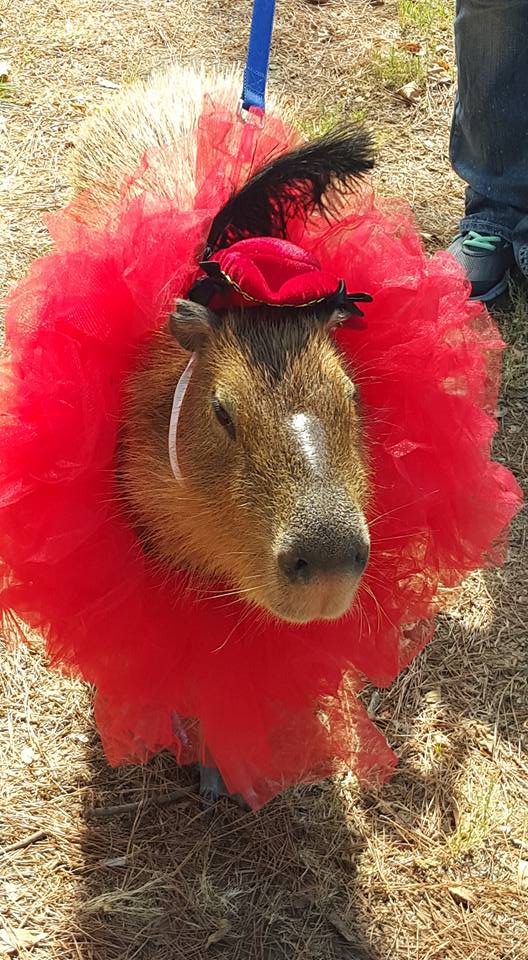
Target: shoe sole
pixel 495 291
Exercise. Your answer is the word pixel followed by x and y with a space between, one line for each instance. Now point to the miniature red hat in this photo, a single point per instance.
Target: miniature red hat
pixel 270 271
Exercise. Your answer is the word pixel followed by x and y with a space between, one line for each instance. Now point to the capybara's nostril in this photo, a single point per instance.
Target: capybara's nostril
pixel 359 556
pixel 295 566
pixel 330 552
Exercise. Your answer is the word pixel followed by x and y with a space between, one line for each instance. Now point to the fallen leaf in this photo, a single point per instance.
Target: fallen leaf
pixel 463 895
pixel 5 70
pixel 523 873
pixel 433 696
pixel 374 703
pixel 14 939
pixel 410 92
pixel 219 934
pixel 414 47
pixel 11 890
pixel 438 76
pixel 444 64
pixel 27 755
pixel 342 927
pixel 109 84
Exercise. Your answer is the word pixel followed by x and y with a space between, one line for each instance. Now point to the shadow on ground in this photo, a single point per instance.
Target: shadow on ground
pixel 183 882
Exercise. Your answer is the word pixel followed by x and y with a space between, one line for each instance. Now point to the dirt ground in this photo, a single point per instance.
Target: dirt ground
pixel 435 865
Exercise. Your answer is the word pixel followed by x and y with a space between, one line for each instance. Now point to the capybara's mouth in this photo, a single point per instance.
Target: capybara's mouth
pixel 328 599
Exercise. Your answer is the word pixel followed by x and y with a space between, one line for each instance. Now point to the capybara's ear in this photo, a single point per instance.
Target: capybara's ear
pixel 337 318
pixel 347 315
pixel 191 324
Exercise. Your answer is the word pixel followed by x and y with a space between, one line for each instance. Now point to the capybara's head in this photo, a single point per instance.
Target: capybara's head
pixel 274 479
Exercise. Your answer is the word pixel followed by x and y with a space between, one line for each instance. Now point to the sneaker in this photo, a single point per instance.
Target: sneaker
pixel 487 261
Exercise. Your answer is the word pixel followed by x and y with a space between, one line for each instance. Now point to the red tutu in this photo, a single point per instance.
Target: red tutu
pixel 271 704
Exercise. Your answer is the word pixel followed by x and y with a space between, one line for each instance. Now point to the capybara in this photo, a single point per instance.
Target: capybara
pixel 189 486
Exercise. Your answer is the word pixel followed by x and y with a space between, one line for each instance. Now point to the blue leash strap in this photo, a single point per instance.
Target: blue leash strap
pixel 257 61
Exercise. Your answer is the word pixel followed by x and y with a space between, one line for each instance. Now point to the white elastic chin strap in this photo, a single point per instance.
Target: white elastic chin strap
pixel 179 395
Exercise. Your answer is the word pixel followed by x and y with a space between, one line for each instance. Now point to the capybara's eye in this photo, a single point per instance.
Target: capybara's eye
pixel 223 418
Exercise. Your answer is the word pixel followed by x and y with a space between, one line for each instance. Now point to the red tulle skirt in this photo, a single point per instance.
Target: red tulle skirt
pixel 270 704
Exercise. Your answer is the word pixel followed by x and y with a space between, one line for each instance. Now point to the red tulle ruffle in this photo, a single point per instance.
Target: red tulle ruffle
pixel 276 704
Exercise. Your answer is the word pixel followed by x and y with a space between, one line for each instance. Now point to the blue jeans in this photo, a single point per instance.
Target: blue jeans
pixel 489 134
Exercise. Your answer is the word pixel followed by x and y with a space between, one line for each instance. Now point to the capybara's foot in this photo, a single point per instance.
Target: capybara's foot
pixel 213 788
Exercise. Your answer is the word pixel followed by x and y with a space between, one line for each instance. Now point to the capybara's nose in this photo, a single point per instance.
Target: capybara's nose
pixel 329 553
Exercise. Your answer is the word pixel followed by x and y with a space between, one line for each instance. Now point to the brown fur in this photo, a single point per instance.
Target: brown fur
pixel 147 116
pixel 239 497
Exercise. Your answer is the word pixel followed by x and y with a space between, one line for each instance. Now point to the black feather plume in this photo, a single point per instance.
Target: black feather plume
pixel 295 184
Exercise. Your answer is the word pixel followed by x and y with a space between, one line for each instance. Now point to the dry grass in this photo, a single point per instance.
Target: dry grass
pixel 427 869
